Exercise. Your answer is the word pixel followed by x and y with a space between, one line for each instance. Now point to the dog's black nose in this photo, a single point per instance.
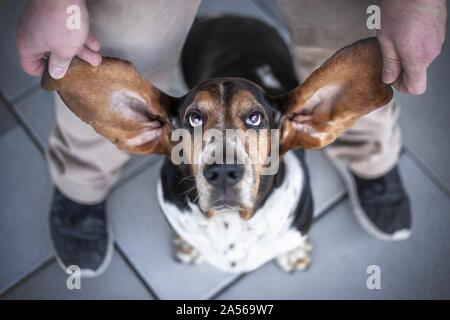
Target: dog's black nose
pixel 223 175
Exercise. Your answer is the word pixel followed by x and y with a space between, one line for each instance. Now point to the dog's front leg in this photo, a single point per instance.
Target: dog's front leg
pixel 185 253
pixel 298 258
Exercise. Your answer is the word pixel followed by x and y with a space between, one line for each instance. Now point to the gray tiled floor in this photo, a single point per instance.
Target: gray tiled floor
pixel 143 266
pixel 50 283
pixel 25 194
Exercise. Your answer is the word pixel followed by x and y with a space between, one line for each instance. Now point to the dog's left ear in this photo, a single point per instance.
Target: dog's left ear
pixel 346 87
pixel 118 103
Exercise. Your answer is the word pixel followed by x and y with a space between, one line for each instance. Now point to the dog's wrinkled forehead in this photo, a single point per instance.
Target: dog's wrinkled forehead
pixel 224 102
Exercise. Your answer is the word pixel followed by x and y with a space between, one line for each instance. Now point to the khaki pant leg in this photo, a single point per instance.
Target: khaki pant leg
pixel 318 28
pixel 84 166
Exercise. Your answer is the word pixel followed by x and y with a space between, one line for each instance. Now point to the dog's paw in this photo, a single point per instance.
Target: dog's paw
pixel 185 253
pixel 296 259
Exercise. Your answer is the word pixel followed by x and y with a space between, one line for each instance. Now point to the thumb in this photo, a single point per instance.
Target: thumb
pixel 391 62
pixel 415 78
pixel 57 66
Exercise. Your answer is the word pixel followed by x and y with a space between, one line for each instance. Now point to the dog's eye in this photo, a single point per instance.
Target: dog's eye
pixel 254 118
pixel 195 119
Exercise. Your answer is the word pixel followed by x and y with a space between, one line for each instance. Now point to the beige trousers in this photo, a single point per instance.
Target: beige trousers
pixel 84 166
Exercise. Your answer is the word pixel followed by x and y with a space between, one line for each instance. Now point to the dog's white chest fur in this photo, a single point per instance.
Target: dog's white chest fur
pixel 234 245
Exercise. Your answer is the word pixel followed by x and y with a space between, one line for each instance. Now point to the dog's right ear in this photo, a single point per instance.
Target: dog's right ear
pixel 120 105
pixel 345 88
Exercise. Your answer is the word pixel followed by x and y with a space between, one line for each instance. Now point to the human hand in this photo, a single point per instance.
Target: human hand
pixel 43 30
pixel 411 36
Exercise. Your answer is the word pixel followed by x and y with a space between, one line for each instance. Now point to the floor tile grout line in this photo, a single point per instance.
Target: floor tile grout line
pixel 25 93
pixel 331 206
pixel 321 214
pixel 29 130
pixel 438 183
pixel 23 123
pixel 227 286
pixel 28 275
pixel 130 264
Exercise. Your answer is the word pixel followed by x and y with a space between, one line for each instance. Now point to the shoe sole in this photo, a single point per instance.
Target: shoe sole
pixel 358 211
pixel 89 273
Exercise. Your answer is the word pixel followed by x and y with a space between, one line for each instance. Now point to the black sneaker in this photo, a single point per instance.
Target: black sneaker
pixel 81 235
pixel 380 205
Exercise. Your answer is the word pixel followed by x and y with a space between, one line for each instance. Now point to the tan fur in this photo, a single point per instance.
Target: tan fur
pixel 208 102
pixel 356 69
pixel 242 103
pixel 87 91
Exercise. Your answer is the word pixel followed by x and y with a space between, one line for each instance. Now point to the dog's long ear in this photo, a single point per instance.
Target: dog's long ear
pixel 120 105
pixel 346 87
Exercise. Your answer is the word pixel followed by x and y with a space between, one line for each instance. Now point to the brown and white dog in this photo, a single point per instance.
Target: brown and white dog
pixel 230 214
